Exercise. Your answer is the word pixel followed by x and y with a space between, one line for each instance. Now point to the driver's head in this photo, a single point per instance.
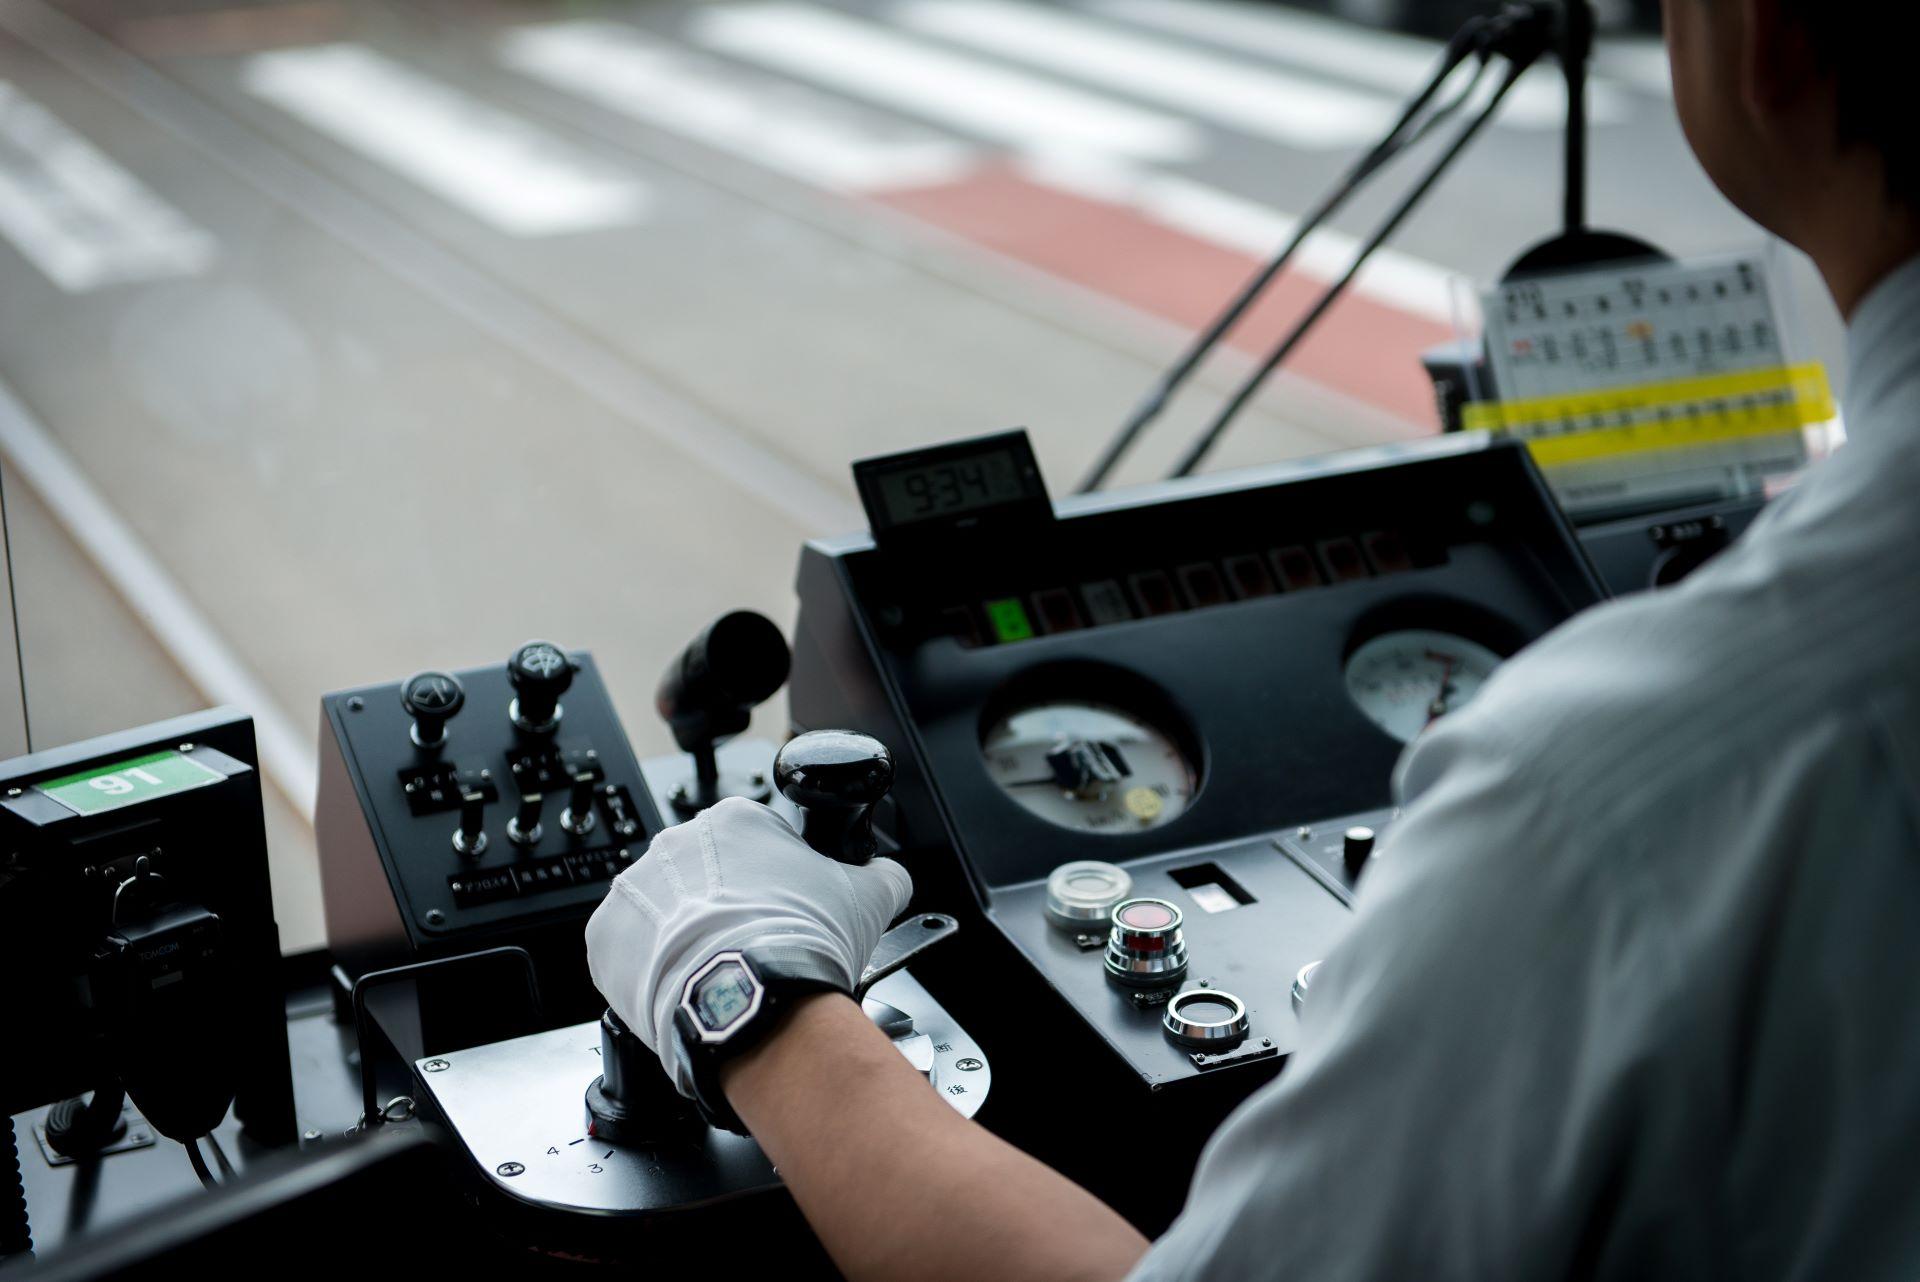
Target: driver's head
pixel 1801 110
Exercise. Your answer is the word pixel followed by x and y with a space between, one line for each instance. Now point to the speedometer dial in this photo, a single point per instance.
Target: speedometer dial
pixel 1090 767
pixel 1405 681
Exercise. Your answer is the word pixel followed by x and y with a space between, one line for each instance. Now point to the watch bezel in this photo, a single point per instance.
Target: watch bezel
pixel 713 1037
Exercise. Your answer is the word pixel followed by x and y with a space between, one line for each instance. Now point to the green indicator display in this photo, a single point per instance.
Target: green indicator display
pixel 1009 620
pixel 128 783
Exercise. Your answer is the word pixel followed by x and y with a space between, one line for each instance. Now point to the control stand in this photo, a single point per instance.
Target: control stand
pixel 583 1121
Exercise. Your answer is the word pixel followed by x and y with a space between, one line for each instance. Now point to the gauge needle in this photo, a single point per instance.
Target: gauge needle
pixel 1438 708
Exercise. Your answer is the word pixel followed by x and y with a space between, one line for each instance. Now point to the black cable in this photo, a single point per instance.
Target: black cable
pixel 1203 445
pixel 1458 50
pixel 1576 49
pixel 13 603
pixel 200 1164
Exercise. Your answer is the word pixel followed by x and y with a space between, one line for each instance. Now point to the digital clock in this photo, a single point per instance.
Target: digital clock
pixel 127 783
pixel 992 480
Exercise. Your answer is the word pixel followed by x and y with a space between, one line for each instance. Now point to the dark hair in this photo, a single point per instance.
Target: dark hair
pixel 1868 49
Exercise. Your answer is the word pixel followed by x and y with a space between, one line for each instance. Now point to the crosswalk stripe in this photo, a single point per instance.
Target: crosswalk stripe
pixel 998 103
pixel 1384 59
pixel 1206 213
pixel 502 169
pixel 784 127
pixel 1295 110
pixel 76 215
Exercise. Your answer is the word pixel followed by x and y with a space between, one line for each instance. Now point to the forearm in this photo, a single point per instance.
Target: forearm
pixel 894 1181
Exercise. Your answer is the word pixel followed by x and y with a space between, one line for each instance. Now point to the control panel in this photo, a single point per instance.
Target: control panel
pixel 1146 738
pixel 459 809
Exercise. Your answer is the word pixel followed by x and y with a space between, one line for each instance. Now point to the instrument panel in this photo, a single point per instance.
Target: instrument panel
pixel 1164 688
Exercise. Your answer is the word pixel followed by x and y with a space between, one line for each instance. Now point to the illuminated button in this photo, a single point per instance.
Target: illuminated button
pixel 1081 895
pixel 1388 554
pixel 1296 569
pixel 1008 619
pixel 1249 577
pixel 1153 593
pixel 1057 611
pixel 1145 946
pixel 1106 603
pixel 1205 1019
pixel 1203 586
pixel 1344 561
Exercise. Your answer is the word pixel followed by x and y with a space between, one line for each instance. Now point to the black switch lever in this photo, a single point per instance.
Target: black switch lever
pixel 524 828
pixel 578 818
pixel 432 699
pixel 836 777
pixel 470 838
pixel 633 1101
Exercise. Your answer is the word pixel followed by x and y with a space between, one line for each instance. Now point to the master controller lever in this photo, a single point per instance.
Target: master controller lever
pixel 836 777
pixel 708 695
pixel 633 1101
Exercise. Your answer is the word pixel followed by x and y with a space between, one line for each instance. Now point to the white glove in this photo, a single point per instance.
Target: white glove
pixel 735 875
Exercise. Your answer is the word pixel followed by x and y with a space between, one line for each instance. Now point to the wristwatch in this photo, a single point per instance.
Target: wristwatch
pixel 731 1003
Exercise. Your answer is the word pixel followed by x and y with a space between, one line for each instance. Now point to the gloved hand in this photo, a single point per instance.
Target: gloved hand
pixel 735 875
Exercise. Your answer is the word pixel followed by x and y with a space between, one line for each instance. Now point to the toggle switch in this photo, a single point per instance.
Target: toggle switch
pixel 470 838
pixel 524 828
pixel 1355 849
pixel 578 817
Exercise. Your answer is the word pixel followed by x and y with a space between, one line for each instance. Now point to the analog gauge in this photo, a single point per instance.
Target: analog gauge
pixel 1090 767
pixel 1405 681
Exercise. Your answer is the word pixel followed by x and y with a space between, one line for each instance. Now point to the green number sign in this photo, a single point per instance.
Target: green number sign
pixel 128 783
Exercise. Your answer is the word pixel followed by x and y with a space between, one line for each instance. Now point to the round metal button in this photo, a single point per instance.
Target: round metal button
pixel 1145 946
pixel 1081 895
pixel 1205 1019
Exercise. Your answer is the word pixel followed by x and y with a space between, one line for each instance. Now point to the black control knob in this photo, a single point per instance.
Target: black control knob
pixel 539 673
pixel 432 699
pixel 524 828
pixel 470 838
pixel 836 777
pixel 633 1101
pixel 1356 849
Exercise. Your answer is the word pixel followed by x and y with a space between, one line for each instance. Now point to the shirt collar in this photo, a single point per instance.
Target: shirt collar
pixel 1883 346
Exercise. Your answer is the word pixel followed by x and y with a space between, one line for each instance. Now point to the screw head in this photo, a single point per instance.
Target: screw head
pixel 969 1065
pixel 436 1066
pixel 309 1135
pixel 435 917
pixel 509 1169
pixel 356 704
pixel 680 792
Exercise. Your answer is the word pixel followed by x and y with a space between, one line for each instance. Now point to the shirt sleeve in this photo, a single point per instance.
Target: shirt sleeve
pixel 1464 1090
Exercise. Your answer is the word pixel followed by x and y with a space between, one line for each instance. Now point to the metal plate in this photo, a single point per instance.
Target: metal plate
pixel 518 1108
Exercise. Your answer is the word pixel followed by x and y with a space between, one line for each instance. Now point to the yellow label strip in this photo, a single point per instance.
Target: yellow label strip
pixel 1678 414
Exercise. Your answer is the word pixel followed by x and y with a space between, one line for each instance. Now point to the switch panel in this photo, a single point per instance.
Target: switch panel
pixel 427 851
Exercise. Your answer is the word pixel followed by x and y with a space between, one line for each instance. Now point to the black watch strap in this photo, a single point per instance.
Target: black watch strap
pixel 782 974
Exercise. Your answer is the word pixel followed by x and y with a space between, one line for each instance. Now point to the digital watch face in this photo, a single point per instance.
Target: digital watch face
pixel 722 995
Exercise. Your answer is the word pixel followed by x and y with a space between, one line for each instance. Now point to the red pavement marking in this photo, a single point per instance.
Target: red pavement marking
pixel 228 32
pixel 1366 349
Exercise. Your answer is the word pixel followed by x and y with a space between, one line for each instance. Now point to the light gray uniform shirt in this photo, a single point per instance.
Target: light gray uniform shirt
pixel 1633 988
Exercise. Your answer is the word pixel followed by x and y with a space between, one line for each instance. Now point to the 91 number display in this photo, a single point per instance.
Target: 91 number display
pixel 126 783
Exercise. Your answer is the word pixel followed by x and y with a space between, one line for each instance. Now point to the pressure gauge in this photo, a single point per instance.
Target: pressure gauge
pixel 1091 767
pixel 1405 681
